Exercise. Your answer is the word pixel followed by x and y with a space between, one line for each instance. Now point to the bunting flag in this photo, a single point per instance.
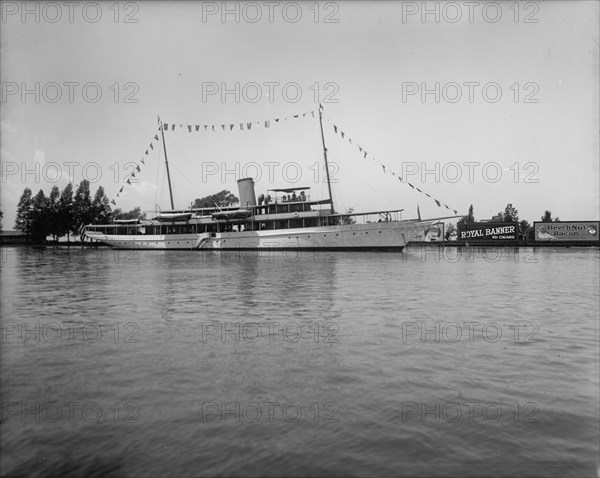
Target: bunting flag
pixel 337 130
pixel 213 128
pixel 137 170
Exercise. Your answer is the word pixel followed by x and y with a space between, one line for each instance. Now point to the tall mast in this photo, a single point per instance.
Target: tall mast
pixel 162 133
pixel 325 156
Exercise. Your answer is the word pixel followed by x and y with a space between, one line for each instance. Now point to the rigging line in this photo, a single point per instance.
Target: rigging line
pixel 183 156
pixel 156 191
pixel 346 168
pixel 380 163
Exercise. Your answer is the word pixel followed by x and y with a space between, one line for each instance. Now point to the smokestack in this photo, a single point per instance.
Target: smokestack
pixel 246 190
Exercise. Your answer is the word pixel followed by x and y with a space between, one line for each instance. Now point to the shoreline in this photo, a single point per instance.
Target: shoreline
pixel 520 244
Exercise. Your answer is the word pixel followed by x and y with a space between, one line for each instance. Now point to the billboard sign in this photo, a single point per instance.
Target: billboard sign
pixel 435 233
pixel 489 232
pixel 566 231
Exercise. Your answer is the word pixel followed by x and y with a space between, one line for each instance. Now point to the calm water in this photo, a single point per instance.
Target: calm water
pixel 346 364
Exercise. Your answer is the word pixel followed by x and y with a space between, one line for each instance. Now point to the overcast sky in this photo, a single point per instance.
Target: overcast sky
pixel 510 116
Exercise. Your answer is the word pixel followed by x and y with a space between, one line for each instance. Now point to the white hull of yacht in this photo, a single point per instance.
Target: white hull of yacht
pixel 390 235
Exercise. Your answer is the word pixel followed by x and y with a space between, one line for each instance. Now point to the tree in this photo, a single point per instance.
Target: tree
pixel 133 214
pixel 547 217
pixel 40 217
pixel 223 198
pixel 101 210
pixel 65 217
pixel 53 219
pixel 348 219
pixel 468 219
pixel 510 214
pixel 82 206
pixel 23 219
pixel 470 216
pixel 525 230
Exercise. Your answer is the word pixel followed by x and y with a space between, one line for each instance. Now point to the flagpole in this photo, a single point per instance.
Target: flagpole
pixel 162 133
pixel 325 156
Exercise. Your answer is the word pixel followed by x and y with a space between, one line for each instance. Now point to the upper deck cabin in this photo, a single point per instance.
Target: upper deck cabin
pixel 285 208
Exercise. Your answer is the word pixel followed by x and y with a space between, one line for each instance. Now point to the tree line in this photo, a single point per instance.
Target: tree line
pixel 510 214
pixel 64 212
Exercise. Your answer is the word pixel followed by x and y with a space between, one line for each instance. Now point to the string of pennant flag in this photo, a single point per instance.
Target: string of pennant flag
pixel 138 167
pixel 195 128
pixel 366 155
pixel 267 124
pixel 202 128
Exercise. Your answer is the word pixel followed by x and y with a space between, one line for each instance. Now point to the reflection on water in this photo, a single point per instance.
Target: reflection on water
pixel 478 363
